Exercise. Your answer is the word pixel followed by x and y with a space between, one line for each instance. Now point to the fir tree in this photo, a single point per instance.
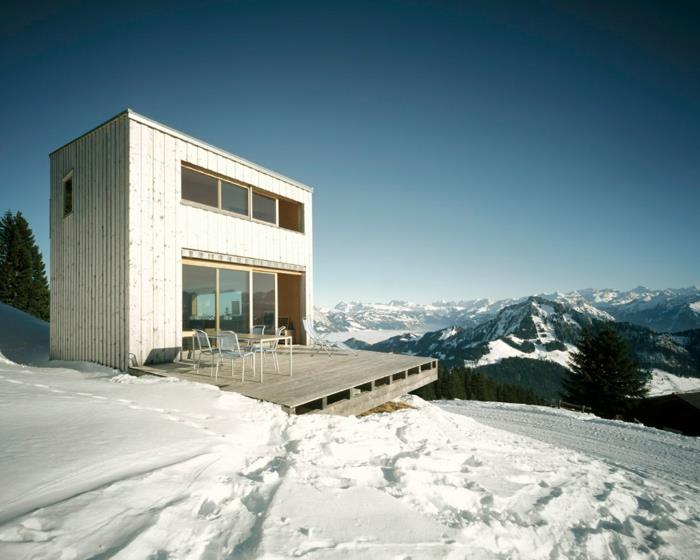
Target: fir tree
pixel 23 281
pixel 462 383
pixel 603 374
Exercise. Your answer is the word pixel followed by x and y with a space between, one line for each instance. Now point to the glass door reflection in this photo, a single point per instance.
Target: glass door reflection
pixel 264 299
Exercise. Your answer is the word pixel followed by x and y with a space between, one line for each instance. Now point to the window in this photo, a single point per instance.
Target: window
pixel 198 297
pixel 291 215
pixel 200 188
pixel 222 194
pixel 234 300
pixel 264 299
pixel 68 194
pixel 215 298
pixel 264 208
pixel 234 198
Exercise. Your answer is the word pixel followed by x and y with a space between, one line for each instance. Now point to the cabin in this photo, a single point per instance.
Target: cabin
pixel 155 233
pixel 676 412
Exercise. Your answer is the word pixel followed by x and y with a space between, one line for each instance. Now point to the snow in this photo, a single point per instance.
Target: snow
pixel 449 333
pixel 662 383
pixel 500 350
pixel 25 338
pixel 105 465
pixel 545 329
pixel 646 451
pixel 695 307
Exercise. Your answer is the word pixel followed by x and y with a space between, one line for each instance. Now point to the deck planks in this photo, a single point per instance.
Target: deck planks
pixel 315 376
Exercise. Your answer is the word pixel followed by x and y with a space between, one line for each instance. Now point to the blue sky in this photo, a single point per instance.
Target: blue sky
pixel 457 149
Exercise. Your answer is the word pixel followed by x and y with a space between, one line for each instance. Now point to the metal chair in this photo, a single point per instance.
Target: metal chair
pixel 322 343
pixel 229 347
pixel 270 348
pixel 202 343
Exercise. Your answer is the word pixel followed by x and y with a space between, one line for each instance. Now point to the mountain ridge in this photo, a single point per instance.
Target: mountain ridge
pixel 665 310
pixel 530 343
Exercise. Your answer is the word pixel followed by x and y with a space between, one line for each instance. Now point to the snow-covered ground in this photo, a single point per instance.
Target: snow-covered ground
pixel 662 383
pixel 500 350
pixel 102 465
pixel 647 452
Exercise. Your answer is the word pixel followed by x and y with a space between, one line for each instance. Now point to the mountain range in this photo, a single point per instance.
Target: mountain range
pixel 668 310
pixel 529 341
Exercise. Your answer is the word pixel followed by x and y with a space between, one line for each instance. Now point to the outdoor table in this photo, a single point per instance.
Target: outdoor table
pixel 262 339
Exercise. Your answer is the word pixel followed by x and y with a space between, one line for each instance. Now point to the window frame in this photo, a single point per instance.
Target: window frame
pixel 250 270
pixel 68 178
pixel 277 209
pixel 251 191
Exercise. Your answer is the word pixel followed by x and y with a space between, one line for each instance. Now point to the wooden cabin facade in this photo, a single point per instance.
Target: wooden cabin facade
pixel 155 233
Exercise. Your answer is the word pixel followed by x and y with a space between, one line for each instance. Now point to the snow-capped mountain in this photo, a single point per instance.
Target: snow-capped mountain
pixel 669 310
pixel 541 334
pixel 536 327
pixel 403 315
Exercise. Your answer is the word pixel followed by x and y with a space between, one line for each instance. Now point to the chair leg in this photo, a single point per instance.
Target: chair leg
pixel 277 363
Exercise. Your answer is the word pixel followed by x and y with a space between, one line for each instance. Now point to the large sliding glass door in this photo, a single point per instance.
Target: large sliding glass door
pixel 234 300
pixel 217 298
pixel 265 300
pixel 198 298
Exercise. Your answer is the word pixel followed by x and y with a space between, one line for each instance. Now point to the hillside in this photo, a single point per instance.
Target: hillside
pixel 157 468
pixel 25 339
pixel 160 468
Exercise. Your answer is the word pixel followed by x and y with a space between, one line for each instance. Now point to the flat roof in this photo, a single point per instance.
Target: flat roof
pixel 187 138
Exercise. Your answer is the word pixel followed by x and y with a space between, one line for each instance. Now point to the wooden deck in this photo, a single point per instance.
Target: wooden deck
pixel 339 384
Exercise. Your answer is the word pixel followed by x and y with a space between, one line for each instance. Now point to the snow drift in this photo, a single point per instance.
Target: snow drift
pixel 111 466
pixel 24 339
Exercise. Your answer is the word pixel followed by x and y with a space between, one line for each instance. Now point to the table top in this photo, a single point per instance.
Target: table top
pixel 250 336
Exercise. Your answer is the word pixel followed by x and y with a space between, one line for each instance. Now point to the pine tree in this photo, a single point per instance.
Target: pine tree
pixel 455 385
pixel 23 282
pixel 603 374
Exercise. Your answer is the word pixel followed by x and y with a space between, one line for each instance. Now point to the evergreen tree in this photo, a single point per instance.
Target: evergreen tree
pixel 463 383
pixel 455 385
pixel 23 282
pixel 603 373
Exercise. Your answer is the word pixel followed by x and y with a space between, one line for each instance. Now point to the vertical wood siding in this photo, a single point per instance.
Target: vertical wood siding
pixel 116 261
pixel 89 248
pixel 160 227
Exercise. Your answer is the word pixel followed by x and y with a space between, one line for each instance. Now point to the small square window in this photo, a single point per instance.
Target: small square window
pixel 68 195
